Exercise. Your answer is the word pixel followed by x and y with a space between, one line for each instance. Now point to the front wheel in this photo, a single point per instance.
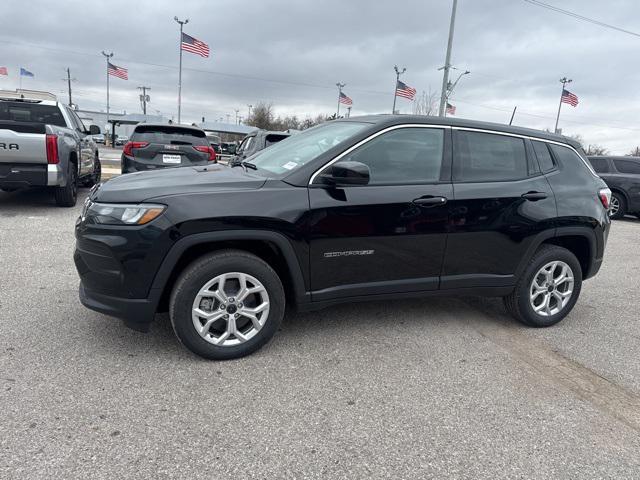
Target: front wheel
pixel 227 305
pixel 96 176
pixel 548 288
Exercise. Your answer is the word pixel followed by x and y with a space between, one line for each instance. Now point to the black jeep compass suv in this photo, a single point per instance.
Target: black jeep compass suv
pixel 365 208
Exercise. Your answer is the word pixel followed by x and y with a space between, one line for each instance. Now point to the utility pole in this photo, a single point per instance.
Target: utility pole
pixel 250 107
pixel 237 111
pixel 340 87
pixel 107 57
pixel 348 111
pixel 228 115
pixel 447 62
pixel 395 88
pixel 144 98
pixel 563 81
pixel 182 24
pixel 69 80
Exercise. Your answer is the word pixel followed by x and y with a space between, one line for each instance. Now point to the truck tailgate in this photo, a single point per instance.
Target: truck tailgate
pixel 22 142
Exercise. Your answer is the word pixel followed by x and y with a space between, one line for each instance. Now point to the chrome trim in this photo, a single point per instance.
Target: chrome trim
pixel 451 127
pixel 371 137
pixel 54 175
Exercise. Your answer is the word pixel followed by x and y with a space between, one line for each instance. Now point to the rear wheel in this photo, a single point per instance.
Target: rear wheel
pixel 68 195
pixel 548 289
pixel 618 207
pixel 95 177
pixel 227 305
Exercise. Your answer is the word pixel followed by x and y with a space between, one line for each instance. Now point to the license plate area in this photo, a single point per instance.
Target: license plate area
pixel 173 159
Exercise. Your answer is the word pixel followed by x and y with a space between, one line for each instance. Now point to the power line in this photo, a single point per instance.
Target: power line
pixel 581 17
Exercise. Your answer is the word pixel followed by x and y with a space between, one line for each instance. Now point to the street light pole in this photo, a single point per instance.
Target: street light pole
pixel 563 81
pixel 447 62
pixel 451 88
pixel 395 88
pixel 340 87
pixel 250 107
pixel 182 24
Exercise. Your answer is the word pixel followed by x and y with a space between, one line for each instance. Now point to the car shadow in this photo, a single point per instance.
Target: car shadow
pixel 32 197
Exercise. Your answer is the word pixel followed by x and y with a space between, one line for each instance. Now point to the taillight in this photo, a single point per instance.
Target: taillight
pixel 129 146
pixel 604 194
pixel 52 149
pixel 209 150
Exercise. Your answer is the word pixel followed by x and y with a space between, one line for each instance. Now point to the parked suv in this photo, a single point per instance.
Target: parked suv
pixel 153 146
pixel 255 142
pixel 43 143
pixel 622 175
pixel 360 209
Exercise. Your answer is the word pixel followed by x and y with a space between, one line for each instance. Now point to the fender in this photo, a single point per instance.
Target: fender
pixel 576 231
pixel 279 240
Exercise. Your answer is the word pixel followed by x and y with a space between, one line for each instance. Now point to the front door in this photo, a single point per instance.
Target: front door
pixel 388 236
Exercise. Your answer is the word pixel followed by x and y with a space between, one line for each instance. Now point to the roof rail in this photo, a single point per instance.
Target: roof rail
pixel 24 94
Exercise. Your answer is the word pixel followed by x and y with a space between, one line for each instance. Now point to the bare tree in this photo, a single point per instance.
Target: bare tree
pixel 426 103
pixel 635 152
pixel 261 116
pixel 593 149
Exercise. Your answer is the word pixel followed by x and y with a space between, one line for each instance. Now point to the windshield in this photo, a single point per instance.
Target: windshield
pixel 299 149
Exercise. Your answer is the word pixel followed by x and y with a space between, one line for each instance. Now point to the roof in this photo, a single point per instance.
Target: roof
pixel 24 94
pixel 390 120
pixel 172 125
pixel 616 157
pixel 222 127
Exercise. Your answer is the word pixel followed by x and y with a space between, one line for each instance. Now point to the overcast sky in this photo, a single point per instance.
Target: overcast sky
pixel 292 53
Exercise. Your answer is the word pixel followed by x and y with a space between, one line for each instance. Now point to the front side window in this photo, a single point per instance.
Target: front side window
pixel 488 157
pixel 402 156
pixel 544 157
pixel 284 157
pixel 627 166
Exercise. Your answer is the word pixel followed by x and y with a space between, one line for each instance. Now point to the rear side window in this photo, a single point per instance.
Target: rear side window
pixel 169 135
pixel 273 138
pixel 31 112
pixel 600 165
pixel 543 155
pixel 487 157
pixel 402 156
pixel 627 166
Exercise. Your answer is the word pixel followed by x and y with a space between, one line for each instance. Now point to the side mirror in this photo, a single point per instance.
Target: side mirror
pixel 94 130
pixel 346 173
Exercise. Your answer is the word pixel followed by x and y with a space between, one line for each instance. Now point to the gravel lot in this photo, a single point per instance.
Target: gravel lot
pixel 432 388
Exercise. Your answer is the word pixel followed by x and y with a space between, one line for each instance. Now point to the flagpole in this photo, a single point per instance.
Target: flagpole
pixel 182 23
pixel 395 90
pixel 563 81
pixel 340 87
pixel 107 57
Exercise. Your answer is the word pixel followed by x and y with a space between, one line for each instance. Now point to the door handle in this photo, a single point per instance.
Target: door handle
pixel 429 201
pixel 534 196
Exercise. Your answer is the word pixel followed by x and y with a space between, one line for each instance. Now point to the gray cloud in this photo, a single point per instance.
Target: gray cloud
pixel 293 52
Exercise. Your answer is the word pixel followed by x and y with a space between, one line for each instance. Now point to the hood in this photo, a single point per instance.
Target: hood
pixel 144 186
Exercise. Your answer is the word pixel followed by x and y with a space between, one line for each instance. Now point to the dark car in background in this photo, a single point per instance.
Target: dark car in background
pixel 622 176
pixel 256 141
pixel 154 146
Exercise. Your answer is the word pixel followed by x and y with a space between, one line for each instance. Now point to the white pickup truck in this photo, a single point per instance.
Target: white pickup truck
pixel 43 143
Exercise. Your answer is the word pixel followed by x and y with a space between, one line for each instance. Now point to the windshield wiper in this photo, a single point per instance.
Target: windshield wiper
pixel 249 165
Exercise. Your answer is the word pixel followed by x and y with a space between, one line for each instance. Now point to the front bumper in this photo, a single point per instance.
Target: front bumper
pixel 137 313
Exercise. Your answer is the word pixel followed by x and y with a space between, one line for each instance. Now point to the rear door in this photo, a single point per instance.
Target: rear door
pixel 169 146
pixel 501 202
pixel 388 236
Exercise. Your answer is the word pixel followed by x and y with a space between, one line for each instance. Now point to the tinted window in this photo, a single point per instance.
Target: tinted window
pixel 600 165
pixel 543 155
pixel 486 157
pixel 273 138
pixel 627 166
pixel 169 135
pixel 31 112
pixel 403 156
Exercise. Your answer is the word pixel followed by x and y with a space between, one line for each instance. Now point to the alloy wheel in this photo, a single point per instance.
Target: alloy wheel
pixel 551 288
pixel 614 206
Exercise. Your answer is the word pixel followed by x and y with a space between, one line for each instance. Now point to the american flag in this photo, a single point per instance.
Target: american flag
pixel 3 71
pixel 193 45
pixel 451 109
pixel 568 97
pixel 117 71
pixel 404 90
pixel 345 100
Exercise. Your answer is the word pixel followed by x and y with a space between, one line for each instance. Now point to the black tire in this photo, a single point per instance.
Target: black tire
pixel 68 195
pixel 518 303
pixel 203 270
pixel 622 202
pixel 95 177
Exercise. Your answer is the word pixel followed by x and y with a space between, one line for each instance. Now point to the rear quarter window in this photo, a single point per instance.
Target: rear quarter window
pixel 600 165
pixel 570 159
pixel 544 157
pixel 169 135
pixel 627 166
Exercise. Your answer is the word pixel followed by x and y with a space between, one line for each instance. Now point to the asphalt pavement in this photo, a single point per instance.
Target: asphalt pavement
pixel 430 388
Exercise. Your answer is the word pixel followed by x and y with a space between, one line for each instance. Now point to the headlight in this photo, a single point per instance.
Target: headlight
pixel 121 214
